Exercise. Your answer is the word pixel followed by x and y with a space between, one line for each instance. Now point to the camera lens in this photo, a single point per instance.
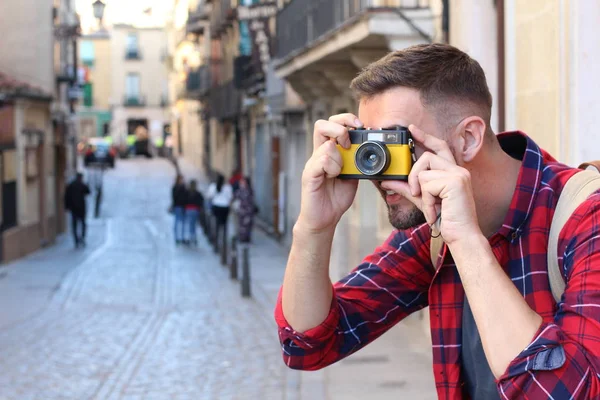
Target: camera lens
pixel 372 158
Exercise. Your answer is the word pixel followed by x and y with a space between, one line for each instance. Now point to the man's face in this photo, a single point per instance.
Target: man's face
pixel 398 106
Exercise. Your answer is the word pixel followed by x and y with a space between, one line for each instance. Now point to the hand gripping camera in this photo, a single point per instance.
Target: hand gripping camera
pixel 378 154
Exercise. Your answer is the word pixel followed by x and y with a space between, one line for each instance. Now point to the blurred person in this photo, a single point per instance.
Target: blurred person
pixel 75 203
pixel 179 198
pixel 496 329
pixel 234 181
pixel 193 208
pixel 220 195
pixel 245 210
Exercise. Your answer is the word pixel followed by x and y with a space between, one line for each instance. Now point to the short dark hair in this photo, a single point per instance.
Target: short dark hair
pixel 443 75
pixel 79 176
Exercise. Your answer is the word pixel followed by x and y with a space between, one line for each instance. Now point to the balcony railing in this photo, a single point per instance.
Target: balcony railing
pixel 133 54
pixel 302 22
pixel 225 101
pixel 197 83
pixel 66 74
pixel 197 19
pixel 134 101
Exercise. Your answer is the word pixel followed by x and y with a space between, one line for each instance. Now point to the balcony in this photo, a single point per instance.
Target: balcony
pixel 197 84
pixel 248 75
pixel 134 101
pixel 327 42
pixel 66 74
pixel 198 19
pixel 222 16
pixel 133 54
pixel 225 101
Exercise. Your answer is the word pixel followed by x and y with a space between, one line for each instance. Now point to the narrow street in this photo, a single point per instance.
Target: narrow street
pixel 132 316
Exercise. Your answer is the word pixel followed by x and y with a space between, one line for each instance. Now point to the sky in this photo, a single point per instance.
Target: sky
pixel 125 11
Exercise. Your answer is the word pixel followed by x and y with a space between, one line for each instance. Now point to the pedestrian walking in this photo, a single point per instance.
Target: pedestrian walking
pixel 179 200
pixel 220 195
pixel 193 208
pixel 234 181
pixel 75 203
pixel 246 209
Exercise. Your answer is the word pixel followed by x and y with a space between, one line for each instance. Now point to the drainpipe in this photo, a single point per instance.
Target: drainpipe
pixel 446 21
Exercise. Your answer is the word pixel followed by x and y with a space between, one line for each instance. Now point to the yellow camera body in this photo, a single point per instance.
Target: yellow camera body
pixel 378 154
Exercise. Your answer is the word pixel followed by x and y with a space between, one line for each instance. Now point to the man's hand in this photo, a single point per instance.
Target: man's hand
pixel 324 198
pixel 436 184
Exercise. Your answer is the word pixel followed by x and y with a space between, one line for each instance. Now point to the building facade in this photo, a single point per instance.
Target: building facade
pixel 188 80
pixel 139 94
pixel 37 78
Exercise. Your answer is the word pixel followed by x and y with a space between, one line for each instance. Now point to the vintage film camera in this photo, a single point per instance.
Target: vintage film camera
pixel 378 154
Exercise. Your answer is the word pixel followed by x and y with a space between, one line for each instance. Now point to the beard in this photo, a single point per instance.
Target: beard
pixel 403 218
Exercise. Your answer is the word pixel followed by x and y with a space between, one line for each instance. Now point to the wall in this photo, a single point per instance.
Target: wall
pixel 101 73
pixel 192 131
pixel 479 39
pixel 553 52
pixel 27 54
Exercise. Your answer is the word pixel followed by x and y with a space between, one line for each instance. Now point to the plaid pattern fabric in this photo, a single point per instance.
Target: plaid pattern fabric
pixel 563 359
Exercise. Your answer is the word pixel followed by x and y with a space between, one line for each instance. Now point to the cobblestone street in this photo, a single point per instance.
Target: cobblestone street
pixel 132 316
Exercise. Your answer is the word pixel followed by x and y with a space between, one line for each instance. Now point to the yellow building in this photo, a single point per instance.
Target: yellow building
pixel 552 54
pixel 139 83
pixel 95 74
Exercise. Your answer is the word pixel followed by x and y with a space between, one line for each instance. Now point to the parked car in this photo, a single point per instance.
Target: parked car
pixel 98 151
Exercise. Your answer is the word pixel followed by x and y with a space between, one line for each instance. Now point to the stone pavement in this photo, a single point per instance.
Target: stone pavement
pixel 398 365
pixel 135 317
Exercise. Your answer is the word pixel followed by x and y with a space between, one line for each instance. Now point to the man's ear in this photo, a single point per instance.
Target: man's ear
pixel 471 137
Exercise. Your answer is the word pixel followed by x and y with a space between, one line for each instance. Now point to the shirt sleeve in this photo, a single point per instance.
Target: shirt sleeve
pixel 387 286
pixel 563 359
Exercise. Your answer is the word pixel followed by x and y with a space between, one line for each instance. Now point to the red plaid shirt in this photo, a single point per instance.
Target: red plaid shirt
pixel 563 359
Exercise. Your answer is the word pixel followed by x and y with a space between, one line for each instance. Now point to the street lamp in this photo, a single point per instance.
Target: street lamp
pixel 99 10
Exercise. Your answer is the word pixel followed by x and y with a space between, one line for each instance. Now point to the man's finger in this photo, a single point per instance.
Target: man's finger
pixel 327 130
pixel 346 119
pixel 427 161
pixel 402 189
pixel 325 161
pixel 435 144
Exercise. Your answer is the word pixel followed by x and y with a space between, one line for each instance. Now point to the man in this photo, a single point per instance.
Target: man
pixel 75 203
pixel 496 329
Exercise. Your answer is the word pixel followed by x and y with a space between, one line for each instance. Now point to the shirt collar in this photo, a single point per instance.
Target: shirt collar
pixel 519 145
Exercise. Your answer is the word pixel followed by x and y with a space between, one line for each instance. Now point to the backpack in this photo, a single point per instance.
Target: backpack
pixel 577 189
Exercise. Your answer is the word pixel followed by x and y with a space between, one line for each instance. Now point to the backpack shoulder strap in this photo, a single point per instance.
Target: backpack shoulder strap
pixel 434 249
pixel 577 189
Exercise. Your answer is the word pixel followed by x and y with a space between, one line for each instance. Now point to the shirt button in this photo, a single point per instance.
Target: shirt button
pixel 514 235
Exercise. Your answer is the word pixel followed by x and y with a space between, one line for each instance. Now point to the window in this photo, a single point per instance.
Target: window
pixel 132 47
pixel 132 88
pixel 87 53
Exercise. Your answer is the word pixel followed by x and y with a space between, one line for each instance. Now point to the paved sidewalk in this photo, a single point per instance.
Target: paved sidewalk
pixel 398 365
